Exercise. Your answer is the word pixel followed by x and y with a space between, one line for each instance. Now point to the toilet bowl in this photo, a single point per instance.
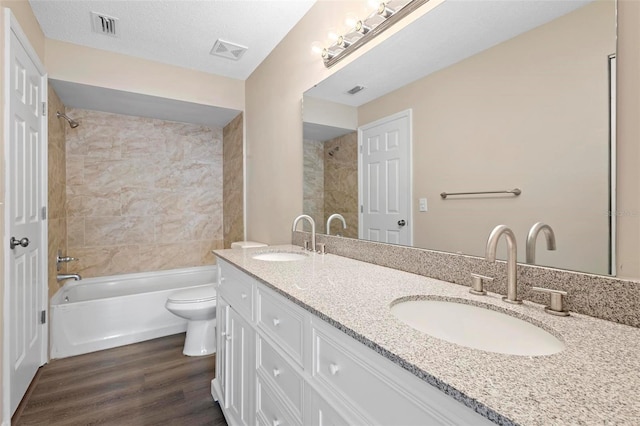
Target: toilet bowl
pixel 198 306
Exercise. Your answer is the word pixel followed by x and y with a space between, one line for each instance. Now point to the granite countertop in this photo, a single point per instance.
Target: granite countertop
pixel 594 380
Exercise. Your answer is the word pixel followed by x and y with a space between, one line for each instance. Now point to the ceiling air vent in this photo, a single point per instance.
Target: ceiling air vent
pixel 103 24
pixel 228 50
pixel 355 89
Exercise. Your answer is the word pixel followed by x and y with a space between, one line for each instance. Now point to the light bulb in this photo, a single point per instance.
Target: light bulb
pixel 332 34
pixel 316 48
pixel 373 4
pixel 351 20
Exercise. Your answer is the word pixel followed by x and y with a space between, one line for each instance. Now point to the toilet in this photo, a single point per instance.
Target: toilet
pixel 198 306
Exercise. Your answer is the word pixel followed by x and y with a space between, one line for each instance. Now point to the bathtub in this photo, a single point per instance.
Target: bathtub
pixel 101 313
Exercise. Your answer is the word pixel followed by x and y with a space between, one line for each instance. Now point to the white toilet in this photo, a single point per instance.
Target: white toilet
pixel 198 306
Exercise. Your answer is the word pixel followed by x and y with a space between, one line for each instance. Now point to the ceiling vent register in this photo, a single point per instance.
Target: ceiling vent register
pixel 228 50
pixel 103 24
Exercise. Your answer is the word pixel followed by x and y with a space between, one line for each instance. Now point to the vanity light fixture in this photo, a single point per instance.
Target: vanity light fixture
pixel 386 14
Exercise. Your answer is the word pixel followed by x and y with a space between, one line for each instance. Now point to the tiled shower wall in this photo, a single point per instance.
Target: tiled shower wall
pixel 142 194
pixel 331 183
pixel 313 202
pixel 233 188
pixel 57 187
pixel 341 183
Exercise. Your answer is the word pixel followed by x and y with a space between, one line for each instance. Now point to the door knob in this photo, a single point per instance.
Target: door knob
pixel 402 222
pixel 15 242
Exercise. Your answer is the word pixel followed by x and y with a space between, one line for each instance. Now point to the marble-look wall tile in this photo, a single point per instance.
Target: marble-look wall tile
pixel 56 196
pixel 341 182
pixel 142 194
pixel 233 186
pixel 313 184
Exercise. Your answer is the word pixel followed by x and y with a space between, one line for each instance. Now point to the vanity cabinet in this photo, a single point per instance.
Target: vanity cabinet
pixel 278 365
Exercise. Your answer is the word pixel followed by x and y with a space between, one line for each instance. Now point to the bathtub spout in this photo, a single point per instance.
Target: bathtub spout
pixel 62 277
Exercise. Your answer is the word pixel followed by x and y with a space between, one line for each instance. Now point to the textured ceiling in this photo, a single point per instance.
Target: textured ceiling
pixel 177 32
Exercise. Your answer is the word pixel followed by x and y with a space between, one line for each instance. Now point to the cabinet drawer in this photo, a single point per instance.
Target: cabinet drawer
pixel 371 385
pixel 281 374
pixel 270 411
pixel 283 323
pixel 323 414
pixel 237 288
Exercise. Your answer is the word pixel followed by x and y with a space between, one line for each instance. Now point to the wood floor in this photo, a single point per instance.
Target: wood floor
pixel 148 383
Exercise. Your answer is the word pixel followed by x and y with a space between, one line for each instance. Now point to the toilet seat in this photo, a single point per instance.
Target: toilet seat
pixel 203 293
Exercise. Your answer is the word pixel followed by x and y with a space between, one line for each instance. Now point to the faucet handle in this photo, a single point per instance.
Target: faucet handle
pixel 557 301
pixel 321 248
pixel 477 284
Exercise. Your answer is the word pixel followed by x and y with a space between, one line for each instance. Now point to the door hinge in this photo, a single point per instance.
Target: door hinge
pixel 44 109
pixel 361 209
pixel 44 213
pixel 43 317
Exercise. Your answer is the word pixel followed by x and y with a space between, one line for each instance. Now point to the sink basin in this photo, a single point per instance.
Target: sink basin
pixel 280 256
pixel 476 327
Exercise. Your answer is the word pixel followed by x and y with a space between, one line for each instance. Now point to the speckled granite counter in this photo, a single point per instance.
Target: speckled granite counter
pixel 595 380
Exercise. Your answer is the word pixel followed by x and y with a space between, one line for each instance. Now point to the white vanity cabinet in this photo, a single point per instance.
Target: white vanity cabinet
pixel 278 364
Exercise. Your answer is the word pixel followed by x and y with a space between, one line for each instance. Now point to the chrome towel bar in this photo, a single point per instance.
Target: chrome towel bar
pixel 515 192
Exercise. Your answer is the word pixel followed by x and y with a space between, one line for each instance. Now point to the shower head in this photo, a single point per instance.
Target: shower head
pixel 73 123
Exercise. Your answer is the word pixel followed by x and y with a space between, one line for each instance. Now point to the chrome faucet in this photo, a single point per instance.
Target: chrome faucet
pixel 490 255
pixel 62 277
pixel 313 228
pixel 533 235
pixel 335 216
pixel 60 259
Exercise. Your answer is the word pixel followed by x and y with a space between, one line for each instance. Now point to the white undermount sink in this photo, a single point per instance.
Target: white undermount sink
pixel 280 256
pixel 476 327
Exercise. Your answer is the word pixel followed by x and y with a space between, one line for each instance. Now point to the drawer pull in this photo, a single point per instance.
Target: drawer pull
pixel 333 369
pixel 222 279
pixel 276 372
pixel 243 295
pixel 276 422
pixel 276 321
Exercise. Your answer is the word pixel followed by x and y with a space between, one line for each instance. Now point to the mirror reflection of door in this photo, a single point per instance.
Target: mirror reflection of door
pixel 385 180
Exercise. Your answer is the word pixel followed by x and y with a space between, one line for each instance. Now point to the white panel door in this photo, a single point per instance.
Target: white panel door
pixel 385 180
pixel 25 201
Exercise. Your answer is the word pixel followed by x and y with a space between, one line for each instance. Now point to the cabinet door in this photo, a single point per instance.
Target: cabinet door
pixel 241 368
pixel 222 332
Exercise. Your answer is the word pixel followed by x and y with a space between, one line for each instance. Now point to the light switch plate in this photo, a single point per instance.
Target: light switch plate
pixel 422 204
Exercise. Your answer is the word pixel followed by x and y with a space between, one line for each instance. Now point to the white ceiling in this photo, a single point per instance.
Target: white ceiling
pixel 453 31
pixel 177 32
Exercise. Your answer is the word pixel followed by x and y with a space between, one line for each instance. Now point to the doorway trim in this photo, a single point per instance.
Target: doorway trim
pixel 11 25
pixel 408 113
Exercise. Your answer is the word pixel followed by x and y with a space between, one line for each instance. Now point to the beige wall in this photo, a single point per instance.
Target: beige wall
pixel 517 115
pixel 94 67
pixel 24 15
pixel 142 194
pixel 57 188
pixel 233 186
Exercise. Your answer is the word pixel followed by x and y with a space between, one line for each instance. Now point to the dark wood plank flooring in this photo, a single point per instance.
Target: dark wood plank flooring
pixel 148 383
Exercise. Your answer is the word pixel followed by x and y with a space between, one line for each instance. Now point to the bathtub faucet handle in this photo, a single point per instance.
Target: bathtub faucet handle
pixel 60 259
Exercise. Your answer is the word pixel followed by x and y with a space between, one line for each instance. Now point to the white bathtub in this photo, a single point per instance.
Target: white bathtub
pixel 100 313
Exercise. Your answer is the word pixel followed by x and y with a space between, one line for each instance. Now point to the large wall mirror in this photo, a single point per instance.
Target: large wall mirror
pixel 478 96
